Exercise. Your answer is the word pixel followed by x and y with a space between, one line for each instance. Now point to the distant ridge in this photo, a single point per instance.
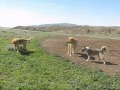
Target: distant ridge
pixel 47 27
pixel 57 24
pixel 72 28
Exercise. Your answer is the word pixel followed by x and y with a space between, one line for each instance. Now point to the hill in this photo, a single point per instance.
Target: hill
pixel 72 28
pixel 47 27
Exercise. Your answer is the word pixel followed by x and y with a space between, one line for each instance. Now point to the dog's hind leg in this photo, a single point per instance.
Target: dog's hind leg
pixel 24 45
pixel 104 61
pixel 73 50
pixel 102 57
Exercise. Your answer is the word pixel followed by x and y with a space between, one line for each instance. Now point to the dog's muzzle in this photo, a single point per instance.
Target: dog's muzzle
pixel 83 50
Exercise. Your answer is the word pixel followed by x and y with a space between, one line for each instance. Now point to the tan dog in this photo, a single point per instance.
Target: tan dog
pixel 20 41
pixel 90 52
pixel 72 43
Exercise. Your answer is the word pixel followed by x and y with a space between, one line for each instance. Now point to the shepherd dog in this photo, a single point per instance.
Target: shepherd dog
pixel 72 43
pixel 17 42
pixel 99 52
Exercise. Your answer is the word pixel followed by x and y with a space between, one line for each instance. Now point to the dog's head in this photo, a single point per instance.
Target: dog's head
pixel 85 48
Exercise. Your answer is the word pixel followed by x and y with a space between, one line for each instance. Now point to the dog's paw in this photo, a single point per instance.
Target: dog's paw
pixel 104 63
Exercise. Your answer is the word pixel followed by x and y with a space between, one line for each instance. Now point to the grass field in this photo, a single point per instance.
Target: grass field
pixel 39 70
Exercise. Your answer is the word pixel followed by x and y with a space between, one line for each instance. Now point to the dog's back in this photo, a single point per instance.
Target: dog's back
pixel 93 51
pixel 19 40
pixel 22 41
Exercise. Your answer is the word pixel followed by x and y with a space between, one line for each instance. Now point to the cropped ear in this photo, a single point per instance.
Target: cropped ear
pixel 84 46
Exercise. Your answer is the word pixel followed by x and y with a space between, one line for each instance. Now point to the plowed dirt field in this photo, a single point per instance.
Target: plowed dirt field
pixel 58 46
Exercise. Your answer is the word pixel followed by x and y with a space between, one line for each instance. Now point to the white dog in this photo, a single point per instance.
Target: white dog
pixel 90 52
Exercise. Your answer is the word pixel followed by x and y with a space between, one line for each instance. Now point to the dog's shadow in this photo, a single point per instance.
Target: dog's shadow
pixel 83 55
pixel 26 52
pixel 106 63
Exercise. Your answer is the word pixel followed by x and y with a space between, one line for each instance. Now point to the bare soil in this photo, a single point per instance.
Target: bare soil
pixel 58 46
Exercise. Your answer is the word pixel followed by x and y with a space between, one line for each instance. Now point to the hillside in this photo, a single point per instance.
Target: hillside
pixel 72 28
pixel 47 27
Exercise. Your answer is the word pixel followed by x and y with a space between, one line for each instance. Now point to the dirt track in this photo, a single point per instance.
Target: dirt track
pixel 57 45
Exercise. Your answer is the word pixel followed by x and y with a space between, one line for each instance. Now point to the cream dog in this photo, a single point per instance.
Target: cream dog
pixel 72 43
pixel 20 41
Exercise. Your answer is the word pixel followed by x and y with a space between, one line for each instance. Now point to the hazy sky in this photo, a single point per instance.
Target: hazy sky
pixel 81 12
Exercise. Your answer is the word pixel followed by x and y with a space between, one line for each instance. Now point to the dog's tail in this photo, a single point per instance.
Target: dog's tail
pixel 103 48
pixel 29 38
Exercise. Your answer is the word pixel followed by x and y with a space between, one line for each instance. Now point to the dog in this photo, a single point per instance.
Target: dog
pixel 20 41
pixel 72 43
pixel 90 52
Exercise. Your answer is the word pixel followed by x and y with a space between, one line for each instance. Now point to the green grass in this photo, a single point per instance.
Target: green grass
pixel 39 70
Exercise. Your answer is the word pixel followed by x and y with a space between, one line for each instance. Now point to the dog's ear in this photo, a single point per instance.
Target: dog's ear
pixel 84 46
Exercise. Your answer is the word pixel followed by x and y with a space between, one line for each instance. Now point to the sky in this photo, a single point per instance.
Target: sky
pixel 81 12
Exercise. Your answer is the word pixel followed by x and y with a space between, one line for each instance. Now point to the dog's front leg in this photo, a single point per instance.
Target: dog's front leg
pixel 68 48
pixel 102 57
pixel 88 57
